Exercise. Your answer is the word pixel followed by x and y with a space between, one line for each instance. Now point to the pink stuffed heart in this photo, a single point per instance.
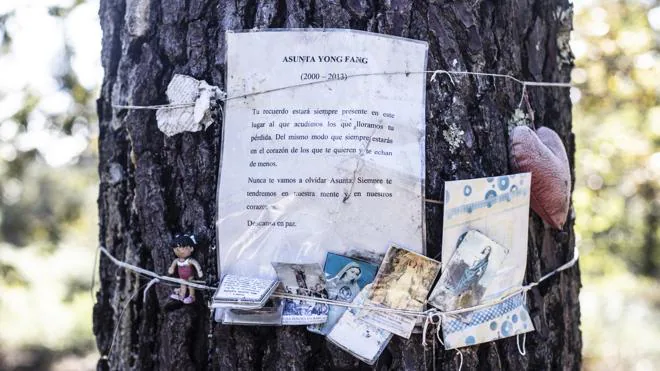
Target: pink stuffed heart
pixel 542 153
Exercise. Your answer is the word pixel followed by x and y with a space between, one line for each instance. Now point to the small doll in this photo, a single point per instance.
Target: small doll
pixel 184 266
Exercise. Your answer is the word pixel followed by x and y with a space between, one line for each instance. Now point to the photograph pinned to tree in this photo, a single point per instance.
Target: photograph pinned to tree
pixel 302 280
pixel 403 281
pixel 345 278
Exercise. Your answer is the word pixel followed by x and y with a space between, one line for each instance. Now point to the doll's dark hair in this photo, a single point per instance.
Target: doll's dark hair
pixel 184 240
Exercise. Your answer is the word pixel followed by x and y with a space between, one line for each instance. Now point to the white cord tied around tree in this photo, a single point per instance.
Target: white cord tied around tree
pixel 146 289
pixel 151 274
pixel 153 106
pixel 436 319
pixel 570 263
pixel 433 317
pixel 284 295
pixel 522 349
pixel 121 315
pixel 224 97
pixel 191 100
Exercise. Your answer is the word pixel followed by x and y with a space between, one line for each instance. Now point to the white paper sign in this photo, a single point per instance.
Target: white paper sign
pixel 332 165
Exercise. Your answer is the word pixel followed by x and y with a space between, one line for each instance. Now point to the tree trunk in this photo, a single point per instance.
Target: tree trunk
pixel 152 186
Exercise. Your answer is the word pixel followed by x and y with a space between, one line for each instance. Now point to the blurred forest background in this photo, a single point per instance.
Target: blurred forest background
pixel 49 77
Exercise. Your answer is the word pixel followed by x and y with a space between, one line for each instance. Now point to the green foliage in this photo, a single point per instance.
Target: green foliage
pixel 617 196
pixel 617 126
pixel 48 184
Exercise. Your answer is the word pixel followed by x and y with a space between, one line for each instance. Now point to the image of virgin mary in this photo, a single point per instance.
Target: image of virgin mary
pixel 473 274
pixel 342 287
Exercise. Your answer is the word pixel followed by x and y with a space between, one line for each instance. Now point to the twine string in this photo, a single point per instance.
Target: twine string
pixel 434 356
pixel 121 315
pixel 151 274
pixel 563 267
pixel 522 349
pixel 432 201
pixel 154 106
pixel 412 313
pixel 91 287
pixel 522 95
pixel 222 96
pixel 437 335
pixel 434 317
pixel 149 285
pixel 436 72
pixel 460 355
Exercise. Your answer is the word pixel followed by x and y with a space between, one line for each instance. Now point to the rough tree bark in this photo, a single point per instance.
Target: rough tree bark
pixel 152 186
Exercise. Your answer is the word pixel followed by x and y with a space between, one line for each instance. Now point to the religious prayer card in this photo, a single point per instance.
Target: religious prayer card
pixel 498 208
pixel 302 280
pixel 345 277
pixel 468 274
pixel 243 292
pixel 323 147
pixel 358 337
pixel 402 282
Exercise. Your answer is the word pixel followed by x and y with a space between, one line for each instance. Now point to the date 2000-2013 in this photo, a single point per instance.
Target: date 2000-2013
pixel 311 76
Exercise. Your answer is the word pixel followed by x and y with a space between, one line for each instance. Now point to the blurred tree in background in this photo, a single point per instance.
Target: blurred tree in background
pixel 618 128
pixel 49 74
pixel 617 198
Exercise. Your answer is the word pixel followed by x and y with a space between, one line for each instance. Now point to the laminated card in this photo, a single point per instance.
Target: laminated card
pixel 243 292
pixel 403 282
pixel 358 337
pixel 323 148
pixel 303 280
pixel 345 278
